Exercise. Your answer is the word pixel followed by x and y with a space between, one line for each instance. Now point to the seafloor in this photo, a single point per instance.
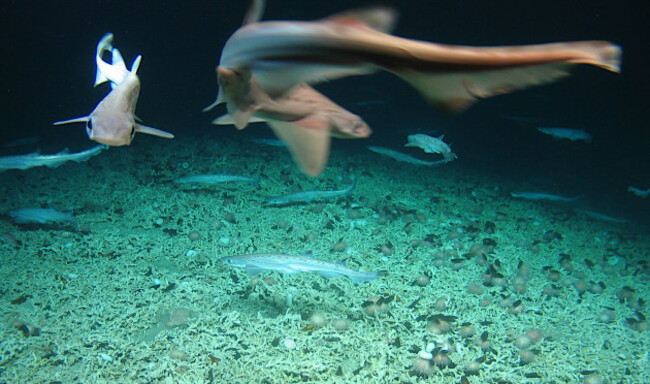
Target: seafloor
pixel 137 293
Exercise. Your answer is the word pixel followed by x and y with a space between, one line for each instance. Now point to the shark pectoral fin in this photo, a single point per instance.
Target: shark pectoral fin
pixel 454 92
pixel 153 131
pixel 75 120
pixel 308 140
pixel 227 120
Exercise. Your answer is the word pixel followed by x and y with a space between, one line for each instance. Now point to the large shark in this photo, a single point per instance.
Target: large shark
pixel 301 117
pixel 266 60
pixel 112 122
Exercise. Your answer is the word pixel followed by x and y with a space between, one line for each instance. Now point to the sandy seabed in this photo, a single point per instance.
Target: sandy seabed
pixel 521 291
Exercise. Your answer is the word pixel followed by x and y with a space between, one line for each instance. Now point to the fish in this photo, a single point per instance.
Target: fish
pixel 269 142
pixel 310 196
pixel 41 216
pixel 112 122
pixel 256 263
pixel 282 54
pixel 567 133
pixel 639 192
pixel 544 196
pixel 431 145
pixel 601 216
pixel 403 157
pixel 35 159
pixel 302 117
pixel 215 179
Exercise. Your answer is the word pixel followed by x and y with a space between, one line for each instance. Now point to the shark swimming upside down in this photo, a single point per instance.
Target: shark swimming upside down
pixel 112 122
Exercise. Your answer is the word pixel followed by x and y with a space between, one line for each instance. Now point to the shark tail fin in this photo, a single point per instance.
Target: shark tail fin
pixel 116 71
pixel 500 70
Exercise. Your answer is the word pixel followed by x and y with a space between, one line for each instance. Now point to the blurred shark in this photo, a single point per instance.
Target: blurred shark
pixel 301 117
pixel 112 122
pixel 567 133
pixel 280 55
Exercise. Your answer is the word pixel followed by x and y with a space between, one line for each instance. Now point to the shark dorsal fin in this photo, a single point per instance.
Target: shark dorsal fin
pixel 379 18
pixel 255 12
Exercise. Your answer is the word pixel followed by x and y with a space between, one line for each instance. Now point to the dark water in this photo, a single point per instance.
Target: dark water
pixel 48 69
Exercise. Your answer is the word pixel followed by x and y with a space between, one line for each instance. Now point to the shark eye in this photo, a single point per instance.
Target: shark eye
pixel 89 125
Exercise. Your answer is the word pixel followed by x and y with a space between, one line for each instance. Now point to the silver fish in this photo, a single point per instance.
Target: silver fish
pixel 41 216
pixel 36 160
pixel 544 196
pixel 257 263
pixel 403 157
pixel 215 179
pixel 311 195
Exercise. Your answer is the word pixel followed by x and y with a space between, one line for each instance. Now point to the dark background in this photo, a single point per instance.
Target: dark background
pixel 47 69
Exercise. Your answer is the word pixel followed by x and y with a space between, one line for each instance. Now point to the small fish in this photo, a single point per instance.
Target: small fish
pixel 544 196
pixel 36 160
pixel 310 196
pixel 431 145
pixel 270 142
pixel 600 216
pixel 41 216
pixel 215 179
pixel 639 192
pixel 112 122
pixel 567 133
pixel 257 263
pixel 399 156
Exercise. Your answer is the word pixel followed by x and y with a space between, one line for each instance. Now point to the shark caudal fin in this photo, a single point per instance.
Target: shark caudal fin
pixel 116 70
pixel 499 70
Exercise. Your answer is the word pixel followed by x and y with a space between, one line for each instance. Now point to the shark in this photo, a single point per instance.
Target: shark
pixel 302 117
pixel 113 121
pixel 35 159
pixel 281 55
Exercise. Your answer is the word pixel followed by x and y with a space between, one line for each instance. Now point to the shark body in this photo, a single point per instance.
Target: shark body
pixel 112 122
pixel 280 55
pixel 310 196
pixel 36 160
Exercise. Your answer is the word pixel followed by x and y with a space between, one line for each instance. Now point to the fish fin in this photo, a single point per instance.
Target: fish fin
pixel 254 12
pixel 75 120
pixel 329 275
pixel 253 270
pixel 379 18
pixel 153 131
pixel 116 71
pixel 227 120
pixel 456 90
pixel 308 140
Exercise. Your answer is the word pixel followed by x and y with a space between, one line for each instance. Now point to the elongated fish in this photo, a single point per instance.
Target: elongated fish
pixel 566 133
pixel 36 160
pixel 544 196
pixel 215 179
pixel 403 157
pixel 282 54
pixel 257 263
pixel 41 216
pixel 310 196
pixel 112 122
